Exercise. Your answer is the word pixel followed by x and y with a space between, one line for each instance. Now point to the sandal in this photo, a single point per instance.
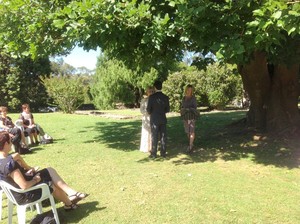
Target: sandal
pixel 70 207
pixel 77 197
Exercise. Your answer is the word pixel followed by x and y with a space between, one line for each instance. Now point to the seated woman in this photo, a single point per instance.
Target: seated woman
pixel 30 128
pixel 15 133
pixel 14 170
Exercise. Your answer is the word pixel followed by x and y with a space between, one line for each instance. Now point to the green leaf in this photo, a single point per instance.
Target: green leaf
pixel 267 24
pixel 291 30
pixel 258 38
pixel 280 23
pixel 253 23
pixel 277 15
pixel 59 23
pixel 258 12
pixel 172 4
pixel 219 55
pixel 293 13
pixel 184 39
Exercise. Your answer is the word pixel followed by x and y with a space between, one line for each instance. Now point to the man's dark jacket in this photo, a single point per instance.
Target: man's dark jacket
pixel 158 106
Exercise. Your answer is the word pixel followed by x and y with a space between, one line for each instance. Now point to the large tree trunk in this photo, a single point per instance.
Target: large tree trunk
pixel 273 95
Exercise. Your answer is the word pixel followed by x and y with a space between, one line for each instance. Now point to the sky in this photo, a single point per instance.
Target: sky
pixel 78 58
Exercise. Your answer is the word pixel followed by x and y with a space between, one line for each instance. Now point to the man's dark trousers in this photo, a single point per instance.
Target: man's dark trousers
pixel 158 131
pixel 158 106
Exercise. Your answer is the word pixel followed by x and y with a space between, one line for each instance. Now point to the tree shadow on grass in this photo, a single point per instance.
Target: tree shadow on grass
pixel 215 140
pixel 123 135
pixel 80 213
pixel 40 147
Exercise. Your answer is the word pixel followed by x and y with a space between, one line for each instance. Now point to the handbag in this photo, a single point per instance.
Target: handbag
pixel 189 114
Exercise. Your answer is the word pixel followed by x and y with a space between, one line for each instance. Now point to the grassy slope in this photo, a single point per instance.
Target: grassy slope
pixel 229 179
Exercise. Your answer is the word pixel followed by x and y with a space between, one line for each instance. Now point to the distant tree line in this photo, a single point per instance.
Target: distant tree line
pixel 215 87
pixel 42 82
pixel 23 80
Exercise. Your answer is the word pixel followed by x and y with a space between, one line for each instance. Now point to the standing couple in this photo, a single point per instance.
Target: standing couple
pixel 156 105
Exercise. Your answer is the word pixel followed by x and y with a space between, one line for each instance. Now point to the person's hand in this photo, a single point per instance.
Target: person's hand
pixel 37 178
pixel 30 172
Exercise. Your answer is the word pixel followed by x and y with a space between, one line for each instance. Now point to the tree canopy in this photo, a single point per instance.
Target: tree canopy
pixel 261 36
pixel 153 31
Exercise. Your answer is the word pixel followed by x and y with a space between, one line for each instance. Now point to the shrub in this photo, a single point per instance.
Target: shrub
pixel 175 84
pixel 222 85
pixel 214 88
pixel 112 84
pixel 68 92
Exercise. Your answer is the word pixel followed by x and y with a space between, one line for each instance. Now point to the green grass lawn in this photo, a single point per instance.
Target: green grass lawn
pixel 229 179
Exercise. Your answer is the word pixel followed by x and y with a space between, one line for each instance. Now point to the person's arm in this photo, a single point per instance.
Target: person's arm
pixel 31 120
pixel 18 158
pixel 18 178
pixel 2 125
pixel 168 105
pixel 194 103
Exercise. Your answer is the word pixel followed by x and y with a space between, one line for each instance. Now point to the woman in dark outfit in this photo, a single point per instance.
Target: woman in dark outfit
pixel 28 123
pixel 14 170
pixel 189 115
pixel 15 133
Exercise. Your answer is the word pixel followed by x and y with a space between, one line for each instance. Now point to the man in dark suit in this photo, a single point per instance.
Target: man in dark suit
pixel 158 106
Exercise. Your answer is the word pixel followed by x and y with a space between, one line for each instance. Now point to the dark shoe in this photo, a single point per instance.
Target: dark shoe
pixel 23 151
pixel 188 150
pixel 163 155
pixel 152 157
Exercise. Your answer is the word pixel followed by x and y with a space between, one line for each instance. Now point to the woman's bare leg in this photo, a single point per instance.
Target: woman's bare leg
pixel 23 138
pixel 60 195
pixel 60 183
pixel 31 138
pixel 192 138
pixel 35 137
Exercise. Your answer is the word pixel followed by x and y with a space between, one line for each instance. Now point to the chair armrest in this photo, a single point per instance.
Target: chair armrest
pixel 19 123
pixel 8 188
pixel 43 186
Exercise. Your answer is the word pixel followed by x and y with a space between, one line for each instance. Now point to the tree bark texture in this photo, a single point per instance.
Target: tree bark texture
pixel 273 95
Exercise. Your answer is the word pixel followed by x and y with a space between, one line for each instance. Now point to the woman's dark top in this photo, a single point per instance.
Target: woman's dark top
pixel 188 109
pixel 26 121
pixel 26 118
pixel 189 102
pixel 7 121
pixel 8 165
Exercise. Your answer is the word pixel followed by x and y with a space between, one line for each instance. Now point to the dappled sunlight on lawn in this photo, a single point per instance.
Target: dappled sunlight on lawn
pixel 215 140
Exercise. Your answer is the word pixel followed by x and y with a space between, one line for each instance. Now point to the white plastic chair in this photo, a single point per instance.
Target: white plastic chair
pixel 21 209
pixel 19 124
pixel 1 197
